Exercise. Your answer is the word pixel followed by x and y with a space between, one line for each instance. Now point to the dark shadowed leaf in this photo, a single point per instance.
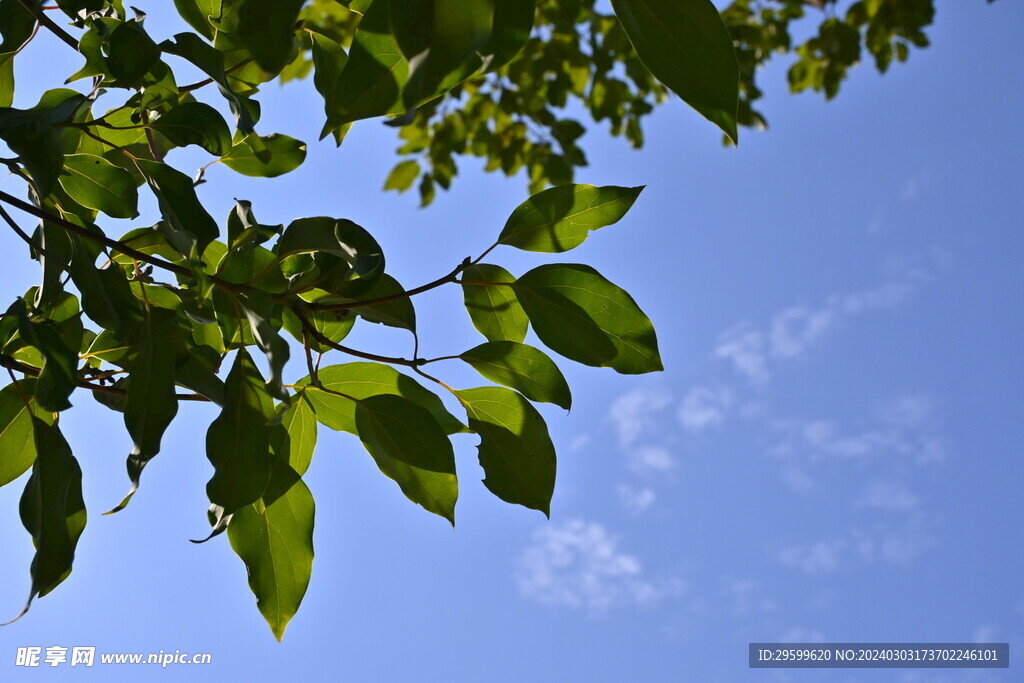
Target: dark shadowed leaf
pixel 238 442
pixel 52 509
pixel 192 228
pixel 266 28
pixel 515 449
pixel 195 123
pixel 685 44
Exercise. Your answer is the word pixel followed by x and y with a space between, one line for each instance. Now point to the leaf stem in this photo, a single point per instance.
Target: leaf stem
pixel 46 21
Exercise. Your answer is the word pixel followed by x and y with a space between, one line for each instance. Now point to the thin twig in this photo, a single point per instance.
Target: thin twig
pixel 46 21
pixel 450 277
pixel 323 339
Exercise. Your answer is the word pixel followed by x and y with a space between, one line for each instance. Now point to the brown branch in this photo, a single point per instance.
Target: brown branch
pixel 23 235
pixel 46 21
pixel 207 81
pixel 32 371
pixel 450 277
pixel 323 339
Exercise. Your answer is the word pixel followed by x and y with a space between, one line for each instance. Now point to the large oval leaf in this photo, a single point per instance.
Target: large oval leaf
pixel 523 368
pixel 515 449
pixel 560 218
pixel 686 45
pixel 195 123
pixel 94 182
pixel 266 157
pixel 584 317
pixel 409 446
pixel 17 445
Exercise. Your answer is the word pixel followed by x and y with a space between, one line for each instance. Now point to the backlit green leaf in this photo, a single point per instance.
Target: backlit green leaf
pixel 515 449
pixel 523 368
pixel 495 311
pixel 560 218
pixel 586 318
pixel 410 447
pixel 192 228
pixel 94 182
pixel 265 157
pixel 17 444
pixel 195 123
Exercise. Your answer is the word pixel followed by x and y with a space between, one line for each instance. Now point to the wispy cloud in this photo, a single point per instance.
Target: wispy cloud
pixel 635 501
pixel 889 496
pixel 704 407
pixel 634 413
pixel 578 564
pixel 901 544
pixel 743 346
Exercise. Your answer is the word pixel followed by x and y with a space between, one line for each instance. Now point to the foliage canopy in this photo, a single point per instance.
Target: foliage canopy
pixel 191 308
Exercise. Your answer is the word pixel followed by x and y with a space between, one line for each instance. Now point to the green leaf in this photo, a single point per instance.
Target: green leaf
pixel 107 297
pixel 515 449
pixel 192 228
pixel 17 444
pixel 266 28
pixel 343 258
pixel 197 14
pixel 150 404
pixel 586 318
pixel 398 313
pixel 131 53
pixel 686 46
pixel 560 218
pixel 6 79
pixel 238 443
pixel 523 368
pixel 259 311
pixel 274 538
pixel 295 438
pixel 495 311
pixel 362 380
pixel 409 446
pixel 402 175
pixel 329 59
pixel 59 377
pixel 16 25
pixel 52 509
pixel 513 21
pixel 265 157
pixel 210 61
pixel 33 135
pixel 195 123
pixel 96 183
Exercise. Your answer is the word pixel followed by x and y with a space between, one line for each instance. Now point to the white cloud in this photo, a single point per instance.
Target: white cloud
pixel 889 495
pixel 817 558
pixel 908 411
pixel 703 407
pixel 744 347
pixel 646 459
pixel 633 413
pixel 802 635
pixel 579 565
pixel 635 501
pixel 796 328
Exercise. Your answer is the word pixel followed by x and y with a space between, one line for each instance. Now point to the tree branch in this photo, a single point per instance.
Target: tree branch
pixel 450 277
pixel 320 337
pixel 46 21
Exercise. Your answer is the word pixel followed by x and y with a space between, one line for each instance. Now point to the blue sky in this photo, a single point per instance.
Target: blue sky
pixel 833 452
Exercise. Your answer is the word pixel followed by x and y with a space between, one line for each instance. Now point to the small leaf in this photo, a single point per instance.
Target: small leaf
pixel 586 318
pixel 410 447
pixel 94 182
pixel 495 311
pixel 274 538
pixel 402 176
pixel 515 449
pixel 523 368
pixel 17 444
pixel 265 157
pixel 560 218
pixel 686 46
pixel 362 380
pixel 238 442
pixel 195 123
pixel 52 509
